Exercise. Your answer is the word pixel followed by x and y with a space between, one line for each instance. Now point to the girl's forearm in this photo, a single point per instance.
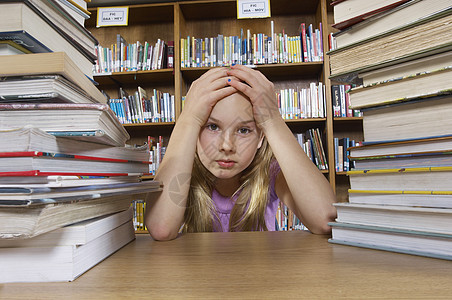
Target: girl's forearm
pixel 165 211
pixel 310 190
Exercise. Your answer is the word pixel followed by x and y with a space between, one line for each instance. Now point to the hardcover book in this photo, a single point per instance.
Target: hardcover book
pixel 87 121
pixel 56 63
pixel 19 21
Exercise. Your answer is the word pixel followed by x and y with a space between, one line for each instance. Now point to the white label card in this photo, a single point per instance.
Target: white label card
pixel 249 9
pixel 112 16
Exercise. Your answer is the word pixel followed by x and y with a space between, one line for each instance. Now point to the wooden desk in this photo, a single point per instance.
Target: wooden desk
pixel 261 265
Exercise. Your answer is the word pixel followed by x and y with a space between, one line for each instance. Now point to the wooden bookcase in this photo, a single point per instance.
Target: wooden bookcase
pixel 205 18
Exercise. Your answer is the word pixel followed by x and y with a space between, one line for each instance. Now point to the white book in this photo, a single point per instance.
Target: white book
pixel 61 263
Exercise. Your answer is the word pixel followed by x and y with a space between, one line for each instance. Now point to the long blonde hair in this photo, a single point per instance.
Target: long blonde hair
pixel 248 212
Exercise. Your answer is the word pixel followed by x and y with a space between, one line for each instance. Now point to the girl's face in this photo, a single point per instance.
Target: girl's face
pixel 230 138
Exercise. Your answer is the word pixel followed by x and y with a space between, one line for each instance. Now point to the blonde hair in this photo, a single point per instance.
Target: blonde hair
pixel 248 212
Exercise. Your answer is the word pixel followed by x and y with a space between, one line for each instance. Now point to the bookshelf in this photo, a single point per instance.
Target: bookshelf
pixel 175 20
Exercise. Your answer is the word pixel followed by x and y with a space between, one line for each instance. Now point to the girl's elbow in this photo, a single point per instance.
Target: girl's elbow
pixel 161 233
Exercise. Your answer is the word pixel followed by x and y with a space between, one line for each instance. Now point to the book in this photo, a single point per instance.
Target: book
pixel 436 220
pixel 389 18
pixel 401 89
pixel 424 37
pixel 53 181
pixel 426 64
pixel 26 196
pixel 413 179
pixel 26 139
pixel 46 88
pixel 68 164
pixel 421 118
pixel 56 63
pixel 87 121
pixel 65 23
pixel 62 263
pixel 416 242
pixel 438 199
pixel 401 146
pixel 78 233
pixel 28 221
pixel 349 12
pixel 8 47
pixel 21 24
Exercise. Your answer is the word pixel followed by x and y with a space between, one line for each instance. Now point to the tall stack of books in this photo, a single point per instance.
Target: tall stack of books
pixel 67 178
pixel 400 196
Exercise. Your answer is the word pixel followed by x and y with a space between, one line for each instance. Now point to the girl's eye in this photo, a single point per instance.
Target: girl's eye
pixel 244 130
pixel 212 127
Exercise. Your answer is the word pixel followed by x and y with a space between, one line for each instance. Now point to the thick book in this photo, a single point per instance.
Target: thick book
pixel 413 86
pixel 349 12
pixel 401 146
pixel 26 139
pixel 61 263
pixel 416 242
pixel 416 118
pixel 413 179
pixel 436 220
pixel 56 181
pixel 19 22
pixel 422 38
pixel 56 63
pixel 85 121
pixel 45 89
pixel 29 196
pixel 78 233
pixel 439 199
pixel 381 22
pixel 55 14
pixel 32 220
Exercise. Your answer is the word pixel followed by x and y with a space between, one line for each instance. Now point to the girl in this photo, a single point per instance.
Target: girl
pixel 230 159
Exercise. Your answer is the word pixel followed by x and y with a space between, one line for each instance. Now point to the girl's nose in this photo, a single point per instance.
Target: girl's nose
pixel 227 142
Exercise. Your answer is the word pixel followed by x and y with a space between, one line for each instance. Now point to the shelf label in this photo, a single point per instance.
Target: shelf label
pixel 112 16
pixel 250 9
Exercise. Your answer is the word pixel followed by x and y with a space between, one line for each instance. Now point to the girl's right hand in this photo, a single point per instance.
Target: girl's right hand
pixel 204 93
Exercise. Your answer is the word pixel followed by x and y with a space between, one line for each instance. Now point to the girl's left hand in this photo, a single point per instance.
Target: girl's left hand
pixel 259 90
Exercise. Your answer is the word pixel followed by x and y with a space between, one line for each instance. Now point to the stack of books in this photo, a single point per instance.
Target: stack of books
pixel 400 196
pixel 63 153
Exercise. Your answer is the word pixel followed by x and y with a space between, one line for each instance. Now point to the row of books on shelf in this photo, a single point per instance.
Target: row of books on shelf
pixel 312 144
pixel 253 48
pixel 157 149
pixel 302 103
pixel 341 101
pixel 286 220
pixel 139 207
pixel 400 196
pixel 341 153
pixel 125 57
pixel 141 108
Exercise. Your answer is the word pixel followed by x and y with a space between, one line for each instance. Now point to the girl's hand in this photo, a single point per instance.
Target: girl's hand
pixel 204 93
pixel 259 90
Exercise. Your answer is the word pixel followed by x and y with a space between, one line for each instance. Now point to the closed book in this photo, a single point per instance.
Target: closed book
pixel 385 20
pixel 62 263
pixel 88 121
pixel 79 233
pixel 415 242
pixel 56 63
pixel 19 22
pixel 349 12
pixel 417 85
pixel 439 199
pixel 22 222
pixel 414 179
pixel 45 88
pixel 421 38
pixel 435 220
pixel 420 118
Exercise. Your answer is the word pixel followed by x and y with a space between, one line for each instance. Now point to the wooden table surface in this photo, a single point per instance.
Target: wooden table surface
pixel 249 265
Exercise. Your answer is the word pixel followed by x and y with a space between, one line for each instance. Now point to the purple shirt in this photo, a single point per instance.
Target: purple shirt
pixel 224 205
